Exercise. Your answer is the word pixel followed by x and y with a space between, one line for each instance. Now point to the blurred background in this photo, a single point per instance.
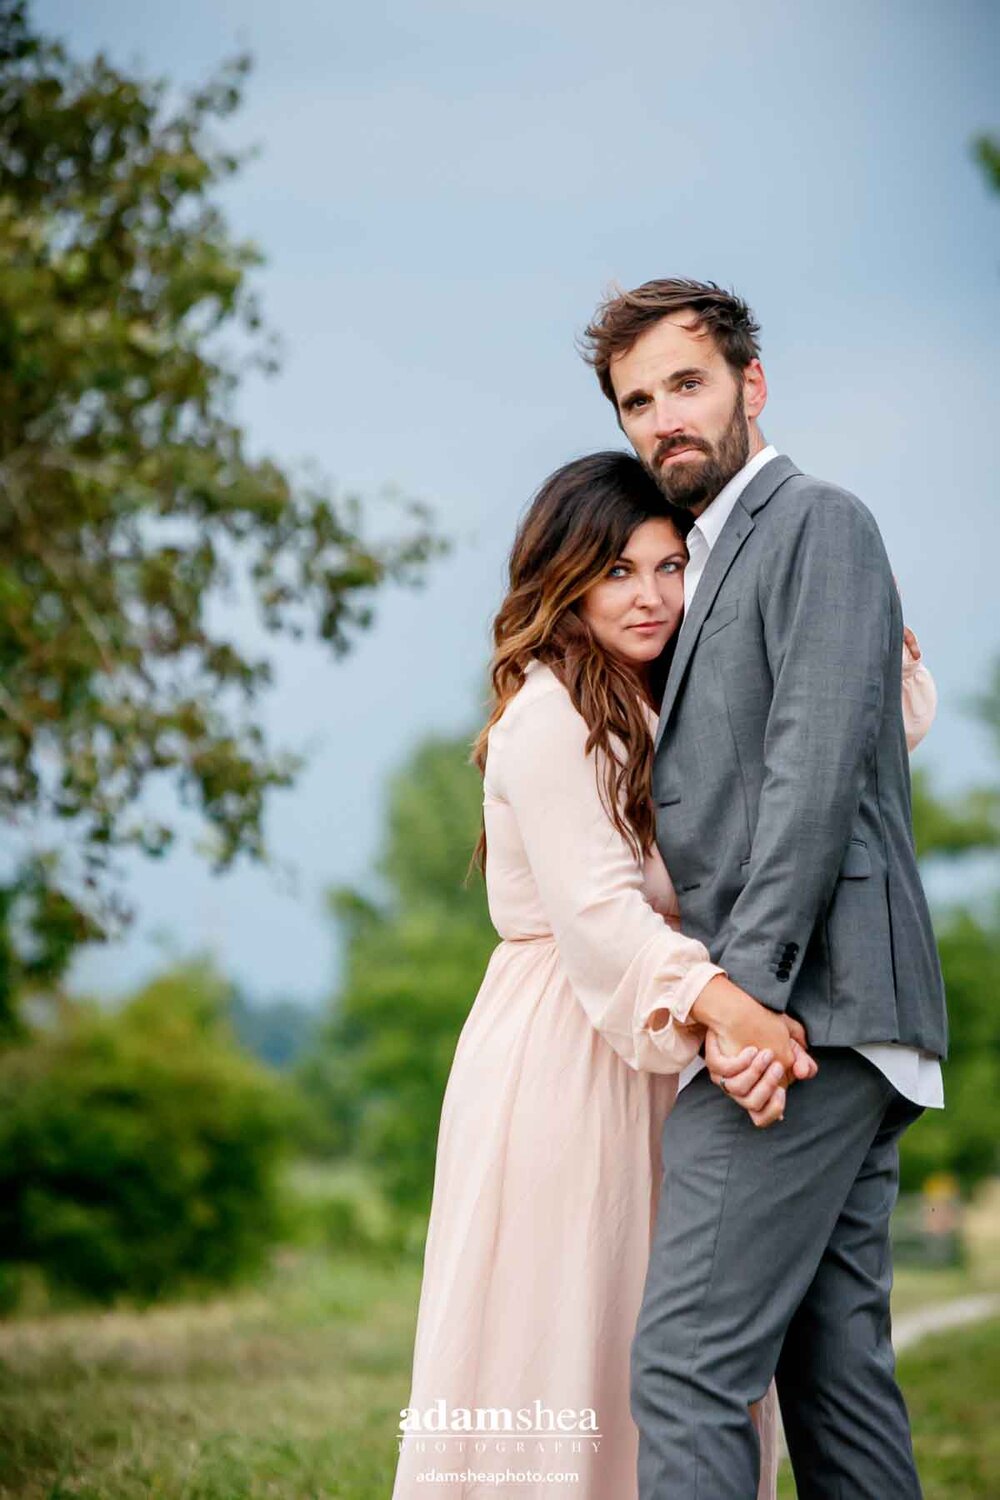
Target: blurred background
pixel 289 304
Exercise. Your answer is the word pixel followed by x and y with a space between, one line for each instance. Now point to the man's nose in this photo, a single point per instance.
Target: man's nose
pixel 668 416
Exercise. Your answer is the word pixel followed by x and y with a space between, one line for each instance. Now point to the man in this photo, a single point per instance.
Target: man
pixel 783 814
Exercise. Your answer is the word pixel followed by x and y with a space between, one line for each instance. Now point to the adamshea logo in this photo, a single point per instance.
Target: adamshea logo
pixel 537 1420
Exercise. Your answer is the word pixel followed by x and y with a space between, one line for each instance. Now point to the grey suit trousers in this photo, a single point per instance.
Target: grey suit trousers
pixel 771 1258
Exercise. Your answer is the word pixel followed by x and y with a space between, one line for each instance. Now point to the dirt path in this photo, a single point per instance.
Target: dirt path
pixel 913 1326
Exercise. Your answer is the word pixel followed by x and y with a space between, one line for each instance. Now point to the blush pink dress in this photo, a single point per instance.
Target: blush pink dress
pixel 548 1157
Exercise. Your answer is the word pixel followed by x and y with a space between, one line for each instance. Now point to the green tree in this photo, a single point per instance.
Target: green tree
pixel 139 1149
pixel 129 502
pixel 951 828
pixel 963 1138
pixel 414 962
pixel 986 150
pixel 276 1032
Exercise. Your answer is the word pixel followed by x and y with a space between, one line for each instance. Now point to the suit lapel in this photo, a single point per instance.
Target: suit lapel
pixel 735 532
pixel 738 527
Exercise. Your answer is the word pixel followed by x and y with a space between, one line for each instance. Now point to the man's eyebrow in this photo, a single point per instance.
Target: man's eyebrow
pixel 686 374
pixel 675 379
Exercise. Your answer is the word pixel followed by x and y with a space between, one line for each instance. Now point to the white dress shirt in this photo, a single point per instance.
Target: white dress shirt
pixel 913 1073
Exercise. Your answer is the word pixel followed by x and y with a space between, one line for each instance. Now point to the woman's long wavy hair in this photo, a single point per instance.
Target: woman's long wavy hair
pixel 577 526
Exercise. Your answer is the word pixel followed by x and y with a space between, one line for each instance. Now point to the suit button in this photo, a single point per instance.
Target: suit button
pixel 783 974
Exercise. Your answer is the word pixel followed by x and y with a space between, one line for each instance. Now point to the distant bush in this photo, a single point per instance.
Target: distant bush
pixel 338 1209
pixel 375 1076
pixel 963 1139
pixel 139 1151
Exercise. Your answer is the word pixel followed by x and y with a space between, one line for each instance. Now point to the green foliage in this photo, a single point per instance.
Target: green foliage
pixel 275 1031
pixel 335 1208
pixel 986 150
pixel 139 1150
pixel 949 828
pixel 964 1138
pixel 129 503
pixel 968 823
pixel 414 963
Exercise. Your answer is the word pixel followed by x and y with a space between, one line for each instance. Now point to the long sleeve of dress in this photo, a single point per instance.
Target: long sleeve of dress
pixel 919 698
pixel 628 967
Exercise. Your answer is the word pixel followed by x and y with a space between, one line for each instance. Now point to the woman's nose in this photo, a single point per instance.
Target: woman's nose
pixel 647 594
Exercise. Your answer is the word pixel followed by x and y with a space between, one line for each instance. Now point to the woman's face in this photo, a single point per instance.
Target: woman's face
pixel 636 607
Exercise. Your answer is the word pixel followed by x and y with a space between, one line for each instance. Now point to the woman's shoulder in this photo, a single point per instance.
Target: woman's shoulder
pixel 537 749
pixel 541 705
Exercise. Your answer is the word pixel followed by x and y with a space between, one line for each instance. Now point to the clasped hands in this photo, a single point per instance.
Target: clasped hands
pixel 753 1053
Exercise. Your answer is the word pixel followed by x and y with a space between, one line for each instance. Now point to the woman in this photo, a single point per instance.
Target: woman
pixel 548 1164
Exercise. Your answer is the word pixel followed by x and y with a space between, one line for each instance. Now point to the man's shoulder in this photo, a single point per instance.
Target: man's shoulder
pixel 807 502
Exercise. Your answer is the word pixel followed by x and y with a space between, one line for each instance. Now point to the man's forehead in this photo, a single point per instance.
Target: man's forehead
pixel 676 340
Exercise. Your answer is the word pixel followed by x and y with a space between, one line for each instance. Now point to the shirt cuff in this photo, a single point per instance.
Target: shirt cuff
pixel 685 995
pixel 911 664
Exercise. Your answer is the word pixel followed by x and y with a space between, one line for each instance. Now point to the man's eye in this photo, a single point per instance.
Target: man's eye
pixel 636 401
pixel 690 385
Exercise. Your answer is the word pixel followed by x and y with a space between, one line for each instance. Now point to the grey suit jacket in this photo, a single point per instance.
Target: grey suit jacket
pixel 781 774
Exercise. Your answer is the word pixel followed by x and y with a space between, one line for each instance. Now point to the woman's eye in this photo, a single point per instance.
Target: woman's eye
pixel 617 571
pixel 670 567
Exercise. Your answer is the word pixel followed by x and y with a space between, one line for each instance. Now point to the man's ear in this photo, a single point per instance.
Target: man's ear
pixel 754 389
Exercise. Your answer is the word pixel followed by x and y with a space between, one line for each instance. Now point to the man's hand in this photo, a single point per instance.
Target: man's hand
pixel 739 1021
pixel 754 1080
pixel 762 1049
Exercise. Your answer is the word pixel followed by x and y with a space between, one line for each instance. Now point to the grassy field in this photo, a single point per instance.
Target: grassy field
pixel 292 1392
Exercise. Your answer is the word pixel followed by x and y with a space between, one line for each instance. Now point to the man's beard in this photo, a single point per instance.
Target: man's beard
pixel 693 485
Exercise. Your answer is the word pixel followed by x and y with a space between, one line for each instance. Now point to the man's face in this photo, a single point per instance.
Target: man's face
pixel 686 413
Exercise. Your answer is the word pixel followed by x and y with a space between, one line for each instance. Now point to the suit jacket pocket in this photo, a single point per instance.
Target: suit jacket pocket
pixel 856 863
pixel 724 615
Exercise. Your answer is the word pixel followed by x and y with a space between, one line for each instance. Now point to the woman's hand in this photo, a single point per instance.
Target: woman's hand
pixel 755 1080
pixel 909 638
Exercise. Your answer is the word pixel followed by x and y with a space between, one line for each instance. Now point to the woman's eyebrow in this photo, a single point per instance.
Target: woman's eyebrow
pixel 680 552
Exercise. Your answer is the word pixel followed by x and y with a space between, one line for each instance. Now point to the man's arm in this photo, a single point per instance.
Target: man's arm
pixel 827 600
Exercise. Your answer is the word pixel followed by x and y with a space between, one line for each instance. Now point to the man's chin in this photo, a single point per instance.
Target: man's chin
pixel 682 480
pixel 685 496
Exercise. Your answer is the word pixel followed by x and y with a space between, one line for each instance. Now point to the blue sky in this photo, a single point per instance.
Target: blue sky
pixel 443 191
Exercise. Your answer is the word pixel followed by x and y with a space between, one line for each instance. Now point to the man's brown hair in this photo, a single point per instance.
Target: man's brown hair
pixel 623 316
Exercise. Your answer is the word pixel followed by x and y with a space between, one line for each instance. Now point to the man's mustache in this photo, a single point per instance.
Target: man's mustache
pixel 667 446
